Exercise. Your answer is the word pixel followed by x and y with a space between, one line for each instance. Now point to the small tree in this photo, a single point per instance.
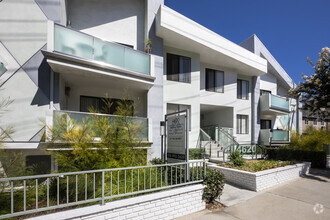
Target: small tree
pixel 99 141
pixel 314 92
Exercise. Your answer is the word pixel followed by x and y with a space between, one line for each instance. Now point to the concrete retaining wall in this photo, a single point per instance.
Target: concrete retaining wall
pixel 264 179
pixel 167 204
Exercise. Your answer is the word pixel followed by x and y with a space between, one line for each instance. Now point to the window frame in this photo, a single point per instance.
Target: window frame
pixel 214 73
pixel 240 89
pixel 170 75
pixel 306 120
pixel 315 122
pixel 238 124
pixel 322 122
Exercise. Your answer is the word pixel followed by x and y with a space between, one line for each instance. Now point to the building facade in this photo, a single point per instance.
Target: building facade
pixel 64 56
pixel 310 121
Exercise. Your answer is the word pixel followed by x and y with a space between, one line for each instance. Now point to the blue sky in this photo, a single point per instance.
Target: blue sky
pixel 292 30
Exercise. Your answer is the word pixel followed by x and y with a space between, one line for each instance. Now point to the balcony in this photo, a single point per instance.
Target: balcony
pixel 75 54
pixel 2 67
pixel 273 105
pixel 70 118
pixel 274 137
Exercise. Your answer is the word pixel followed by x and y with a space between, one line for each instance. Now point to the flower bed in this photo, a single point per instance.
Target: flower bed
pixel 258 165
pixel 261 180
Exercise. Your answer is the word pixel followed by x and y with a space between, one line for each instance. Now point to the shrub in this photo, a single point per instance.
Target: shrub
pixel 312 140
pixel 317 158
pixel 214 183
pixel 236 158
pixel 155 161
pixel 196 153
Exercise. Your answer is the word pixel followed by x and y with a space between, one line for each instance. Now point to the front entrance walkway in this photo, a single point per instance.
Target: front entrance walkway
pixel 305 198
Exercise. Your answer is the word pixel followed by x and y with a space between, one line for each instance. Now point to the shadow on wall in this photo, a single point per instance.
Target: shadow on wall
pixel 42 95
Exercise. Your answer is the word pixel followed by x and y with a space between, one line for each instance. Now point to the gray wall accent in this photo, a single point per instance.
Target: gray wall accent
pixel 23 29
pixel 255 120
pixel 51 8
pixel 249 44
pixel 38 70
pixel 10 63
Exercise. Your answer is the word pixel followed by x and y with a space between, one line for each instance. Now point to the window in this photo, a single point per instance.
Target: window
pixel 306 121
pixel 101 105
pixel 214 81
pixel 265 92
pixel 265 124
pixel 171 108
pixel 242 124
pixel 242 89
pixel 178 68
pixel 322 123
pixel 315 122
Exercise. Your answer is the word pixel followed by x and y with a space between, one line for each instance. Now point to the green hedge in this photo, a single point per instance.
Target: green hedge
pixel 318 158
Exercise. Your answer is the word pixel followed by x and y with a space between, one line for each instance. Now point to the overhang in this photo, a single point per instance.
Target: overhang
pixel 74 66
pixel 178 31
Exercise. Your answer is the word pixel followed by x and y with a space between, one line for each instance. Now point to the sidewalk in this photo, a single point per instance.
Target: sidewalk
pixel 298 199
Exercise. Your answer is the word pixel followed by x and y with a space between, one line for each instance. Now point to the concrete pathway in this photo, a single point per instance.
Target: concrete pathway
pixel 305 198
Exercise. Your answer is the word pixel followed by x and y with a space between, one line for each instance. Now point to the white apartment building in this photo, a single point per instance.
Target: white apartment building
pixel 63 56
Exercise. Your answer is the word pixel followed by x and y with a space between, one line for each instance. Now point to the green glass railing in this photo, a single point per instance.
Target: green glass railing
pixel 279 135
pixel 2 67
pixel 279 103
pixel 67 119
pixel 85 46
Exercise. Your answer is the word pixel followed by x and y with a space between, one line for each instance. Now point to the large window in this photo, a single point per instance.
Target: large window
pixel 101 105
pixel 178 68
pixel 265 124
pixel 306 121
pixel 214 80
pixel 242 89
pixel 242 124
pixel 172 108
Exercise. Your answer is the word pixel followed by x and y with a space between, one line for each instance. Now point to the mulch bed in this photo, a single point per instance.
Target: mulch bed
pixel 215 206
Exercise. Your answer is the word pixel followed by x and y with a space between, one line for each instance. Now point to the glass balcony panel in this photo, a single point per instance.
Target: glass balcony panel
pixel 137 61
pixel 77 119
pixel 79 44
pixel 279 103
pixel 73 42
pixel 109 53
pixel 2 68
pixel 279 135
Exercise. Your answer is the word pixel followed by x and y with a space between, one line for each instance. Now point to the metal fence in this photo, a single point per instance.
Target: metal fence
pixel 30 194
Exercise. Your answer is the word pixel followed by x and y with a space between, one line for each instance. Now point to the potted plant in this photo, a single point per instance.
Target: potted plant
pixel 148 45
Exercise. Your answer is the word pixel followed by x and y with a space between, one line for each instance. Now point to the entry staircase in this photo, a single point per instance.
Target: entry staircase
pixel 217 143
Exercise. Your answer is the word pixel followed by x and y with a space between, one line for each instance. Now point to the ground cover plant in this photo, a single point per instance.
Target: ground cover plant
pixel 258 165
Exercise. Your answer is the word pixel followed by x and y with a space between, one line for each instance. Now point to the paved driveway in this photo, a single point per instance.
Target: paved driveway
pixel 299 199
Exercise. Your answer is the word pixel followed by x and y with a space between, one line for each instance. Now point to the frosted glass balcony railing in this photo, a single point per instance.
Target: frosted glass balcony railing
pixel 85 46
pixel 65 119
pixel 279 102
pixel 2 68
pixel 279 135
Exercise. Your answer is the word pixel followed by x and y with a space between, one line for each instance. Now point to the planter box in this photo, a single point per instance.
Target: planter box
pixel 263 179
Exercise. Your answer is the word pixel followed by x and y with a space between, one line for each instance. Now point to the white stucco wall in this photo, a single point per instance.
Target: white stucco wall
pixel 185 93
pixel 120 21
pixel 268 82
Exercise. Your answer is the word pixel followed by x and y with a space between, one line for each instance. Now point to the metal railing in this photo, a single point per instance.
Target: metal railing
pixel 59 190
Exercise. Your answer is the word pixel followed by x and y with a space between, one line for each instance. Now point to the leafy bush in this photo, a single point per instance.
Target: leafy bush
pixel 312 140
pixel 236 158
pixel 196 153
pixel 214 183
pixel 155 161
pixel 317 158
